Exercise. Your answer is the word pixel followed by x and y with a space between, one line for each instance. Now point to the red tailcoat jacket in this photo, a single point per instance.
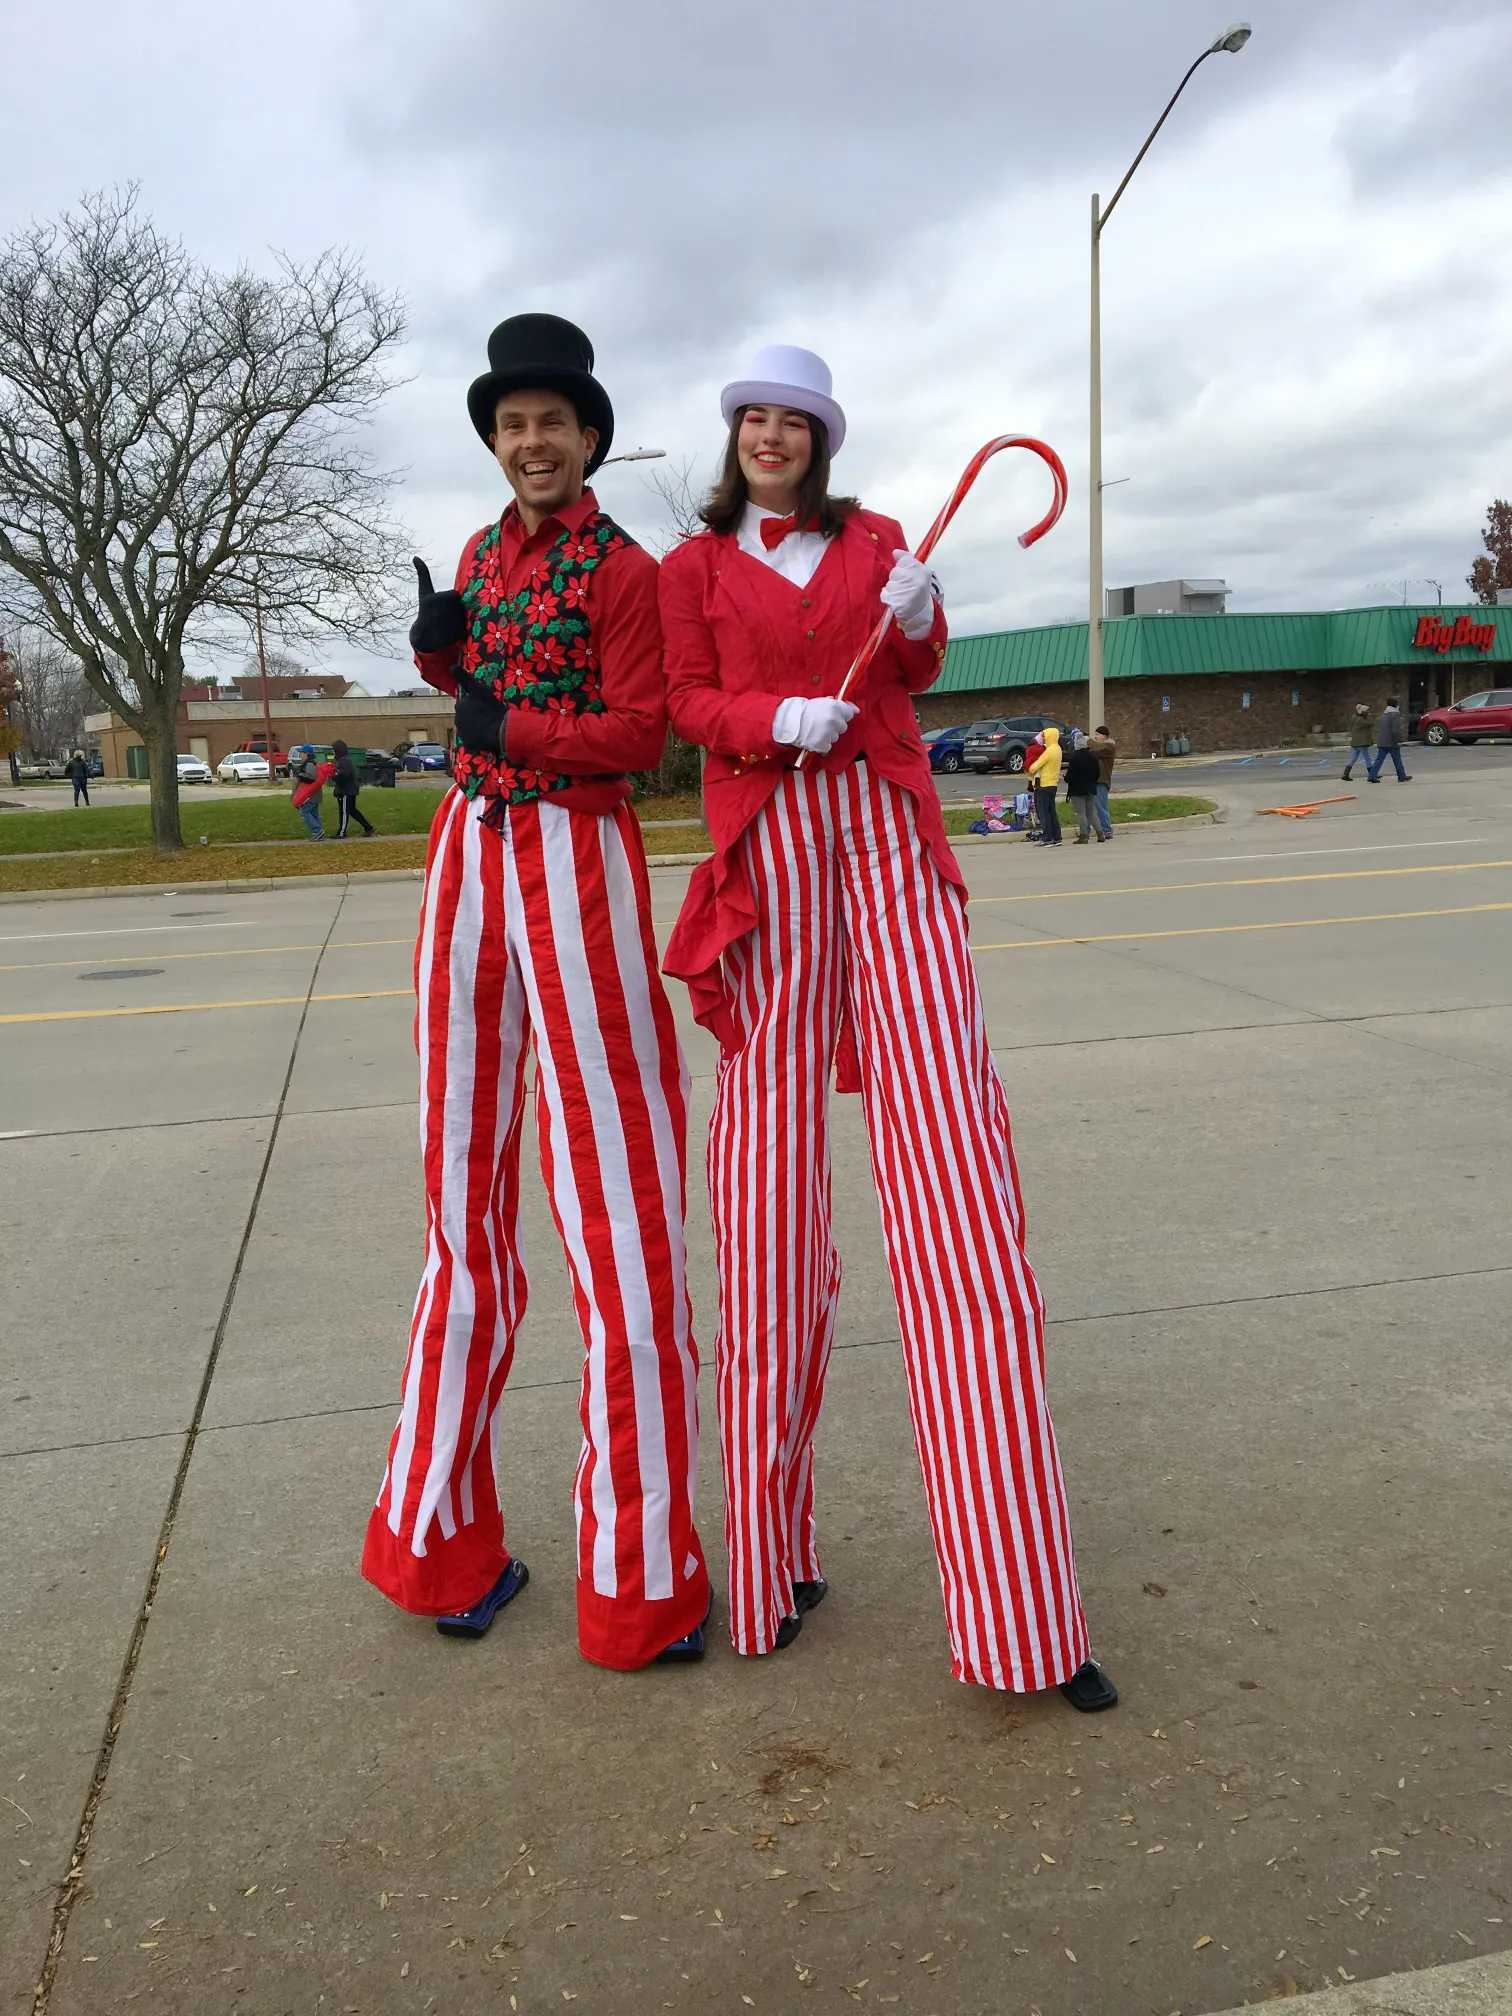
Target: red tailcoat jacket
pixel 738 637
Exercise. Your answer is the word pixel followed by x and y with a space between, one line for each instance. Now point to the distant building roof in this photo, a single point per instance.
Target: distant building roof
pixel 1139 647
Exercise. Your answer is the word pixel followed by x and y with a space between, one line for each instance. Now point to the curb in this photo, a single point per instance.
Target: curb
pixel 1480 1987
pixel 255 886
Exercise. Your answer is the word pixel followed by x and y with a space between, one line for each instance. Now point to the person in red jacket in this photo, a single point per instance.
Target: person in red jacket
pixel 830 926
pixel 535 930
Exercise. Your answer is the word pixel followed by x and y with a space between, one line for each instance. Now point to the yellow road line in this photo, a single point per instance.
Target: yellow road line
pixel 219 952
pixel 203 1007
pixel 1218 930
pixel 1239 882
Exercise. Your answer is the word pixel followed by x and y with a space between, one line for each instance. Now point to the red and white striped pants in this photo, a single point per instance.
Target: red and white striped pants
pixel 852 910
pixel 543 931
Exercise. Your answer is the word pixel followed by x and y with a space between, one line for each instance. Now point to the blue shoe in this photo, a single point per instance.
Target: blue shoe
pixel 688 1650
pixel 474 1623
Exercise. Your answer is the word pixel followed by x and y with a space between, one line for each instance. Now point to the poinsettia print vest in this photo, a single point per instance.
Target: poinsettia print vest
pixel 533 648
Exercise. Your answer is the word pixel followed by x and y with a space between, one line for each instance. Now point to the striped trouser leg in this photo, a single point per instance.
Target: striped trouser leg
pixel 769 1189
pixel 612 1101
pixel 435 1540
pixel 571 961
pixel 969 1309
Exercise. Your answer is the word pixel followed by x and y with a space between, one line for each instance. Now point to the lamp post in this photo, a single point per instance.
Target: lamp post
pixel 1230 42
pixel 635 455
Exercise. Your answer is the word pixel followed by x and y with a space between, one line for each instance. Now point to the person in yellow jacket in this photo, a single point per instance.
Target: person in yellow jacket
pixel 1045 774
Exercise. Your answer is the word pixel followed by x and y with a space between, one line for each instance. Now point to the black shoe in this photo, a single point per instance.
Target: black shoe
pixel 689 1649
pixel 1407 779
pixel 809 1595
pixel 787 1631
pixel 1090 1689
pixel 1372 780
pixel 1344 777
pixel 474 1623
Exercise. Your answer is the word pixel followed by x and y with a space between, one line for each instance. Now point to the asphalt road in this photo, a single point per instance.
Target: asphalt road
pixel 1259 1080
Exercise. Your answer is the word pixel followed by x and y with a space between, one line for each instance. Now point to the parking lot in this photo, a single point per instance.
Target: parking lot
pixel 1259 1078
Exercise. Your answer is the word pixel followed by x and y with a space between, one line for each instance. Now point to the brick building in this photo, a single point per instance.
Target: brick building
pixel 211 728
pixel 1229 681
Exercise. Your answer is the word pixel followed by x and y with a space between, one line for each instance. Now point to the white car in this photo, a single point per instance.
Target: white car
pixel 243 767
pixel 192 770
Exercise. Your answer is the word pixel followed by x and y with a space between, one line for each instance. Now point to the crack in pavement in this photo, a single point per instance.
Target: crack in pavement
pixel 391 1403
pixel 73 1881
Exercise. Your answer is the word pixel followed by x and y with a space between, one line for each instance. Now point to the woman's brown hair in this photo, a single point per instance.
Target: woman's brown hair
pixel 721 509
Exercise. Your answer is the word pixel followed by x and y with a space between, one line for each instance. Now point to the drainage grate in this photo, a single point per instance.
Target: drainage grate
pixel 124 973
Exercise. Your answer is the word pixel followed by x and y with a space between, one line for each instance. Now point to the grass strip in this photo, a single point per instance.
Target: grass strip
pixel 229 863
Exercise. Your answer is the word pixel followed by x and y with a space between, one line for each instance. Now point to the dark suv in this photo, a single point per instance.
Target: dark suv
pixel 999 742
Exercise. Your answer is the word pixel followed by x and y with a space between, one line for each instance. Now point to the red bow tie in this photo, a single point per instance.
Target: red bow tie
pixel 775 530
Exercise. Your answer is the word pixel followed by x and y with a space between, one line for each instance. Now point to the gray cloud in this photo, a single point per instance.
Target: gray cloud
pixel 1306 340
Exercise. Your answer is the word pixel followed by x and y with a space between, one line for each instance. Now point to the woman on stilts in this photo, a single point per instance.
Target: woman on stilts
pixel 829 928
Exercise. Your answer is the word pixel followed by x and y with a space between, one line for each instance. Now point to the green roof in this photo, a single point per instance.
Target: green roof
pixel 1145 647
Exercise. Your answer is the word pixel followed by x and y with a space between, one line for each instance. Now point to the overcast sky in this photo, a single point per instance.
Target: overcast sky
pixel 1306 291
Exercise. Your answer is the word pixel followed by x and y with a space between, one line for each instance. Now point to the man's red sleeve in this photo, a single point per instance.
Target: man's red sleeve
pixel 631 732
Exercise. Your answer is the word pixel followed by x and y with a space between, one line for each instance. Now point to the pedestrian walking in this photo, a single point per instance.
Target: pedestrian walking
pixel 829 930
pixel 308 775
pixel 344 788
pixel 536 936
pixel 77 774
pixel 1107 756
pixel 1044 773
pixel 1362 739
pixel 1388 735
pixel 1082 772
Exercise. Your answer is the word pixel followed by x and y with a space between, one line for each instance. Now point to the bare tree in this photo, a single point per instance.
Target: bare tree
pixel 680 498
pixel 176 442
pixel 53 697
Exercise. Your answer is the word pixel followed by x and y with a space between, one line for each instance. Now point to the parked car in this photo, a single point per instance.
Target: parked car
pixel 193 770
pixel 44 768
pixel 944 747
pixel 999 742
pixel 242 766
pixel 422 756
pixel 1469 719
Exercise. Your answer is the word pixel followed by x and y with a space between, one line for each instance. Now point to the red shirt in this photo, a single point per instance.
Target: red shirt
pixel 624 631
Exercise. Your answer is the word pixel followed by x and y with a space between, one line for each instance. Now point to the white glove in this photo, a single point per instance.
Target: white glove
pixel 909 593
pixel 816 725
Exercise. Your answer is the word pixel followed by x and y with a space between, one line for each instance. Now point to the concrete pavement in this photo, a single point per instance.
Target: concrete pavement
pixel 1264 1149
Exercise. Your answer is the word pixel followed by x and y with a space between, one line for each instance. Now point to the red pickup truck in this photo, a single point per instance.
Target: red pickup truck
pixel 257 745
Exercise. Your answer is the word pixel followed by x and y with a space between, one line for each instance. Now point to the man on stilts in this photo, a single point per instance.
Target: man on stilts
pixel 535 930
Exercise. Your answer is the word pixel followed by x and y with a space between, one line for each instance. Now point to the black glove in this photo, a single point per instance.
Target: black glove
pixel 442 618
pixel 480 720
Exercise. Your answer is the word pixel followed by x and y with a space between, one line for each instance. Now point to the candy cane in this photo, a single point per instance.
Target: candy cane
pixel 931 538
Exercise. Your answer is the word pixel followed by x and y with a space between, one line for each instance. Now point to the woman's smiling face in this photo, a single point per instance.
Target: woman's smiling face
pixel 775 448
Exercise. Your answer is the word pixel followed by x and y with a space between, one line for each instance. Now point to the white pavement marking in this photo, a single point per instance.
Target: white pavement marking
pixel 17 1134
pixel 129 930
pixel 1299 853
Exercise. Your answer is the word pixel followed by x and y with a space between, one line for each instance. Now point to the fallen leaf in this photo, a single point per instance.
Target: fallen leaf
pixel 1047 1858
pixel 1154 1589
pixel 1068 1953
pixel 1198 1944
pixel 629 1918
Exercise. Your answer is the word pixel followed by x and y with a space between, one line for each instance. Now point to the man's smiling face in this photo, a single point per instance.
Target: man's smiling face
pixel 543 448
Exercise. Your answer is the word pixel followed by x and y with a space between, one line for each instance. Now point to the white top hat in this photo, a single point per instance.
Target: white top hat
pixel 783 375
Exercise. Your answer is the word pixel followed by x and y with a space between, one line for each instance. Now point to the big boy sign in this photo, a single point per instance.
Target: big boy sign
pixel 1434 634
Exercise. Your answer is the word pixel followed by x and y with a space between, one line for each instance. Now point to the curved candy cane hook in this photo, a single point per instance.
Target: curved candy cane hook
pixel 952 504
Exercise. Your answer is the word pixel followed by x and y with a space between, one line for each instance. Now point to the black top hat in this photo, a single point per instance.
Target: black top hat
pixel 542 352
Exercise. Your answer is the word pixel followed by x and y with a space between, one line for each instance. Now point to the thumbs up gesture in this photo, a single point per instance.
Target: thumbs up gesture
pixel 441 621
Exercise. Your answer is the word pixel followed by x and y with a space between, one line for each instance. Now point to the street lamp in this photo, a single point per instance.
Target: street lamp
pixel 635 455
pixel 1230 42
